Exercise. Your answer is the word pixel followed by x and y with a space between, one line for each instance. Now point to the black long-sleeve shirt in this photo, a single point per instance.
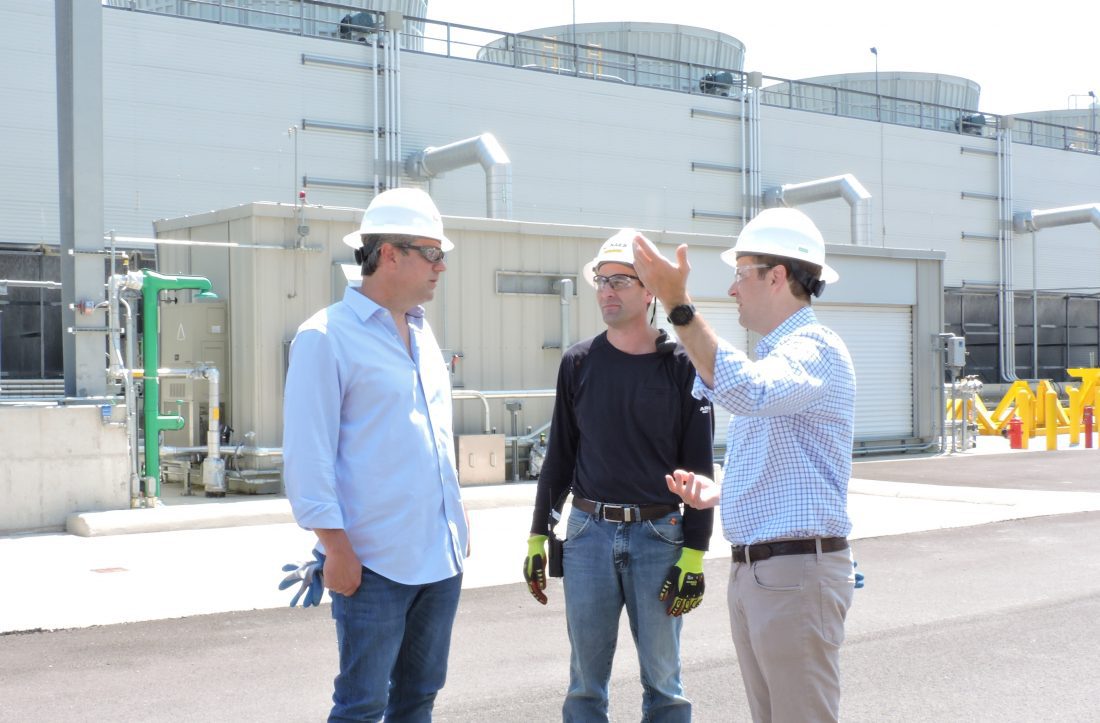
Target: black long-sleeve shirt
pixel 621 423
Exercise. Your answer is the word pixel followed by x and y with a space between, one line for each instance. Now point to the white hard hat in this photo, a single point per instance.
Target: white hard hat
pixel 404 211
pixel 785 232
pixel 619 249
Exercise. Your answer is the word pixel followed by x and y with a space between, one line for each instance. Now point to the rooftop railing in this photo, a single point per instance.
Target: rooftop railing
pixel 345 23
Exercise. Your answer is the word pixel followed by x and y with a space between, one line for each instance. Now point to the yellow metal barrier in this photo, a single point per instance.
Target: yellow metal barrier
pixel 1040 411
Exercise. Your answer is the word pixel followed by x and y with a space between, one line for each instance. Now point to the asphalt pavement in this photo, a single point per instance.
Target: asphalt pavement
pixel 982 590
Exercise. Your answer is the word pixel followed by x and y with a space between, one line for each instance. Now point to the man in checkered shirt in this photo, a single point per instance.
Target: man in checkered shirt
pixel 783 496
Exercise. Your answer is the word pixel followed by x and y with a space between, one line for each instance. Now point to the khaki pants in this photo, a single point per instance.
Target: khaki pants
pixel 787 619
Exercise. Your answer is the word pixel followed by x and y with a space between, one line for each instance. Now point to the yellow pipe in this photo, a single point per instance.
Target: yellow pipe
pixel 1052 425
pixel 1075 407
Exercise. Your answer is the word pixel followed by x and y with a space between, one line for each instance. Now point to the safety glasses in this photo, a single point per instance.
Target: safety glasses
pixel 617 282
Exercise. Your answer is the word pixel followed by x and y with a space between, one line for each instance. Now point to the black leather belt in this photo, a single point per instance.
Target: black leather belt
pixel 764 550
pixel 623 513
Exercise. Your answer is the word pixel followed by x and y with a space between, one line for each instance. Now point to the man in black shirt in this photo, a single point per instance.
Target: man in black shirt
pixel 624 413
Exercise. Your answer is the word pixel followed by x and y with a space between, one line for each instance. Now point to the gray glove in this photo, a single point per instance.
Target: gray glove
pixel 311 576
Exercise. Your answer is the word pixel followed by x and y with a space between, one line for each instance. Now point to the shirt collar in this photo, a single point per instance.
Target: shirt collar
pixel 803 317
pixel 366 307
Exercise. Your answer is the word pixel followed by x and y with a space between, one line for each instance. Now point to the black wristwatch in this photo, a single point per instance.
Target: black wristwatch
pixel 681 315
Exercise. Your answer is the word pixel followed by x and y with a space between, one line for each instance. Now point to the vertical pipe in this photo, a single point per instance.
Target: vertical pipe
pixel 213 467
pixel 397 107
pixel 374 103
pixel 1034 305
pixel 566 297
pixel 1051 401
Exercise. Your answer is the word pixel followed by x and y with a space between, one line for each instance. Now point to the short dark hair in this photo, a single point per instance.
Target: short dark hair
pixel 372 249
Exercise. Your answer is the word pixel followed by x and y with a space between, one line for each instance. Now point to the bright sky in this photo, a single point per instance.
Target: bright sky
pixel 1025 56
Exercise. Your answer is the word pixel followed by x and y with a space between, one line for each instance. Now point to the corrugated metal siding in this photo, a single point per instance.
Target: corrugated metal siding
pixel 191 131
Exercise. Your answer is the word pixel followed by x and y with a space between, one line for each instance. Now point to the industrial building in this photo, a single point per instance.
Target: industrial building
pixel 238 142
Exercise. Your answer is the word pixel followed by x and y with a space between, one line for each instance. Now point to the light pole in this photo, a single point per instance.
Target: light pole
pixel 878 98
pixel 1092 121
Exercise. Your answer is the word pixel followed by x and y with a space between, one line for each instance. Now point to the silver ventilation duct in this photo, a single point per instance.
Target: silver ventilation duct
pixel 483 150
pixel 1035 220
pixel 846 187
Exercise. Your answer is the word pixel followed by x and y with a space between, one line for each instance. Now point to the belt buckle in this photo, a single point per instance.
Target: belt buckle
pixel 629 513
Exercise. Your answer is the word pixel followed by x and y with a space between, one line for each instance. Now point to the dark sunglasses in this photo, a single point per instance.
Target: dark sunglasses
pixel 431 254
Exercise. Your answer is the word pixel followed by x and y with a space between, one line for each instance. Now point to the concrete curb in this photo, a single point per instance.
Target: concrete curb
pixel 179 517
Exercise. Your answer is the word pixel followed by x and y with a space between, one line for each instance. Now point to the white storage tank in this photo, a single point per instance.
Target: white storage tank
pixel 658 55
pixel 923 100
pixel 1072 129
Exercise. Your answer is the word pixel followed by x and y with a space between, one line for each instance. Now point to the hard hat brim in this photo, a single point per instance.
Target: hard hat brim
pixel 355 238
pixel 828 273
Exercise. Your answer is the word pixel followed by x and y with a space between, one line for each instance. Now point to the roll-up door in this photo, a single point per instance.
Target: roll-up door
pixel 880 340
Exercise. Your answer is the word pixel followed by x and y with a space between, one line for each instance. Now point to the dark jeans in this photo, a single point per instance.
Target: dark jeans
pixel 394 640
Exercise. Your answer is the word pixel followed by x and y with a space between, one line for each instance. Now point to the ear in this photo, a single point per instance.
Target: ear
pixel 779 280
pixel 387 254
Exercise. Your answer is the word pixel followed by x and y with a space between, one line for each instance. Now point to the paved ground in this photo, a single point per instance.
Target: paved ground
pixel 983 582
pixel 988 623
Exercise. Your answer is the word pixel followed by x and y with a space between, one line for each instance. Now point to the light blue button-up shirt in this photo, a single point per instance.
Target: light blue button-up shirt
pixel 367 440
pixel 789 445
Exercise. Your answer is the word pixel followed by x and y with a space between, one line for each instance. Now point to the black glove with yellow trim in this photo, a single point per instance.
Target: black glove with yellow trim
pixel 534 567
pixel 684 585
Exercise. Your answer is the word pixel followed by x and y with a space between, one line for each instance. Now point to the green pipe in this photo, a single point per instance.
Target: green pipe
pixel 152 284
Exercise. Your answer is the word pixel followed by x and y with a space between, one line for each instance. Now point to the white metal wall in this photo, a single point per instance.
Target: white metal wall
pixel 188 131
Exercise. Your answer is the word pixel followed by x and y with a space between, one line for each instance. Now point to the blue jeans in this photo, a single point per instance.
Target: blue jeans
pixel 609 565
pixel 393 640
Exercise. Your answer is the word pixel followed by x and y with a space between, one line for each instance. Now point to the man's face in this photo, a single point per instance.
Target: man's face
pixel 417 274
pixel 623 305
pixel 750 286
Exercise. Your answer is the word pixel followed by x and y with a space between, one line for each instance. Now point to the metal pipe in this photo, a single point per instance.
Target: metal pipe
pixel 566 295
pixel 19 283
pixel 217 244
pixel 461 394
pixel 1006 296
pixel 213 467
pixel 915 447
pixel 483 150
pixel 374 104
pixel 239 451
pixel 1035 220
pixel 845 186
pixel 1035 305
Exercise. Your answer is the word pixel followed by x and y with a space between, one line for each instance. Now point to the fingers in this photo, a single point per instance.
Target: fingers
pixel 537 591
pixel 683 484
pixel 682 259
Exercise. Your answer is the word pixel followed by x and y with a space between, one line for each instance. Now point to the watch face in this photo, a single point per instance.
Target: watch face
pixel 682 314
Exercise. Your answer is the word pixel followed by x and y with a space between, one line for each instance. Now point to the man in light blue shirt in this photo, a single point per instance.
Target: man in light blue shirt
pixel 370 465
pixel 784 492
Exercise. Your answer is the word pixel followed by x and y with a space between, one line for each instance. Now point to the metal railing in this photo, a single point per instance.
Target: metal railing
pixel 314 18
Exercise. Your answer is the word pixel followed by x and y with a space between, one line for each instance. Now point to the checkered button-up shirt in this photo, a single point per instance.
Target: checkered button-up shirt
pixel 789 443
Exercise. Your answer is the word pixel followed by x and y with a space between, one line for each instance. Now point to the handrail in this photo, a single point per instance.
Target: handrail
pixel 455 40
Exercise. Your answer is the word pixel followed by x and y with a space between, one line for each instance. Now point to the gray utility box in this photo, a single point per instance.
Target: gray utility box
pixel 480 459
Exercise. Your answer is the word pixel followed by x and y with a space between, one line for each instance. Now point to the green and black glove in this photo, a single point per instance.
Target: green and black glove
pixel 684 584
pixel 534 567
